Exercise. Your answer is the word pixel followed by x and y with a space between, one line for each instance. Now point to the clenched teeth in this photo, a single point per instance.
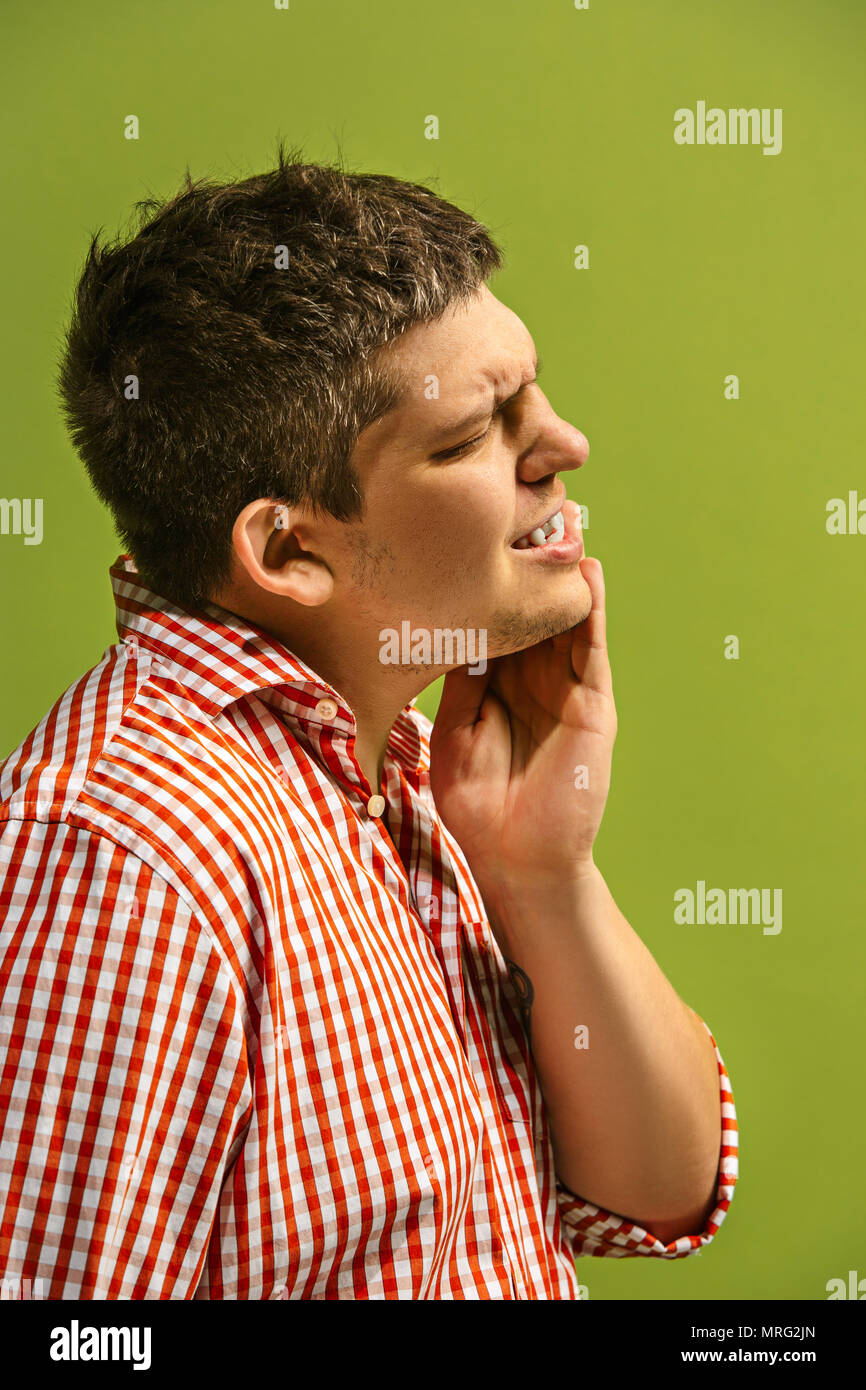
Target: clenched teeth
pixel 549 534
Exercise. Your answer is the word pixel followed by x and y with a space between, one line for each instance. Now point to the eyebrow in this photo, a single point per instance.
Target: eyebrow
pixel 484 411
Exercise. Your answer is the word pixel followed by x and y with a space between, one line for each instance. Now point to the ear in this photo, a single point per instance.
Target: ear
pixel 276 546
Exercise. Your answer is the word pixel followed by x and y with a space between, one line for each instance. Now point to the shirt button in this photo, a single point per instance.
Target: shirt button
pixel 376 805
pixel 326 709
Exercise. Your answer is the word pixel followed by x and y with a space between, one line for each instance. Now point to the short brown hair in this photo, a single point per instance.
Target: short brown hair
pixel 253 380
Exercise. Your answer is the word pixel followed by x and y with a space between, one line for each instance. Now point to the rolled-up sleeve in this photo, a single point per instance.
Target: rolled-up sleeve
pixel 593 1231
pixel 124 1076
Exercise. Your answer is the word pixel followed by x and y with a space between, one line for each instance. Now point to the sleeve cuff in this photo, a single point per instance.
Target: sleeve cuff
pixel 594 1231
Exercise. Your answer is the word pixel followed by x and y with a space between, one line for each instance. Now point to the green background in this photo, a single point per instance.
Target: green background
pixel 556 128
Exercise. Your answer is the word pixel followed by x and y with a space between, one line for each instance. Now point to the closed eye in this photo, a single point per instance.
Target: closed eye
pixel 460 449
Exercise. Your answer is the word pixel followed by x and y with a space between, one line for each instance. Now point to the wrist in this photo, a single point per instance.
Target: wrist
pixel 519 898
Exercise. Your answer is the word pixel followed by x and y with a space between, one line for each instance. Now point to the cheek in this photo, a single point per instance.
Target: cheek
pixel 473 519
pixel 464 544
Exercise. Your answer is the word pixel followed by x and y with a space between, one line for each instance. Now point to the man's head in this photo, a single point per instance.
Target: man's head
pixel 323 341
pixel 450 484
pixel 229 350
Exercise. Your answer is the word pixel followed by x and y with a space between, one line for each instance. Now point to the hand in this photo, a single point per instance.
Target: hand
pixel 520 757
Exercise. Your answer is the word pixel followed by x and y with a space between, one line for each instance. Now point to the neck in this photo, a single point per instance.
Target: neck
pixel 348 660
pixel 375 704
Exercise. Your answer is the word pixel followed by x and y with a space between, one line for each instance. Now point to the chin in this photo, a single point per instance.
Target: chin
pixel 517 631
pixel 583 604
pixel 563 619
pixel 573 608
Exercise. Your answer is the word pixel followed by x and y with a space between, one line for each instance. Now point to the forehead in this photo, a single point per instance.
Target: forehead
pixel 481 336
pixel 451 366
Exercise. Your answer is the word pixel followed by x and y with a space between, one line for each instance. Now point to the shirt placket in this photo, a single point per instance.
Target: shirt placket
pixel 436 905
pixel 434 889
pixel 448 931
pixel 432 893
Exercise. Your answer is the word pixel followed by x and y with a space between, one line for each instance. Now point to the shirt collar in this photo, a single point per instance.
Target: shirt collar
pixel 222 657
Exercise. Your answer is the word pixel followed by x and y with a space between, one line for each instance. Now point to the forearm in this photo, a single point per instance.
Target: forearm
pixel 635 1115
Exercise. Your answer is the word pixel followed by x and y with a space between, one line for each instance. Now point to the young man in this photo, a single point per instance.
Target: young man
pixel 303 1000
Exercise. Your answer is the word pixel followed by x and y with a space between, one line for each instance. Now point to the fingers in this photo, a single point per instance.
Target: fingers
pixel 461 699
pixel 589 650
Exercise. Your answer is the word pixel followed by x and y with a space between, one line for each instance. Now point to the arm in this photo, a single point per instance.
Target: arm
pixel 634 1113
pixel 635 1117
pixel 123 1076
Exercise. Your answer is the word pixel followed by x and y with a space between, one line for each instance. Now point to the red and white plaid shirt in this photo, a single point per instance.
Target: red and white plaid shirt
pixel 249 1051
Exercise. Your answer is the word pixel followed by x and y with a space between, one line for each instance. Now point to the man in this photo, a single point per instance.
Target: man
pixel 303 1000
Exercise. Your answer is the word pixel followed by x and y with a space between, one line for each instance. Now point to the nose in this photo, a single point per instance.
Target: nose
pixel 558 447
